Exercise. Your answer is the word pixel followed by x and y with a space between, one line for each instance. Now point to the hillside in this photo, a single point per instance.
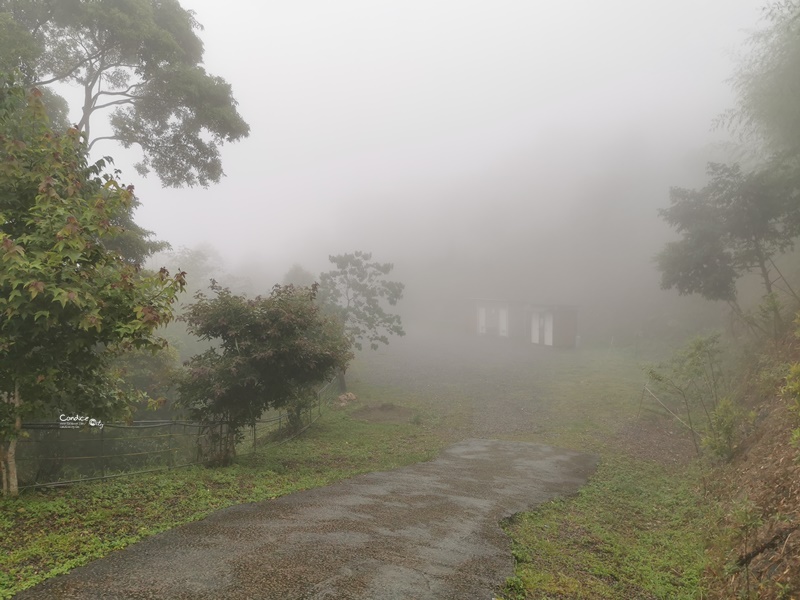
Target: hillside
pixel 760 490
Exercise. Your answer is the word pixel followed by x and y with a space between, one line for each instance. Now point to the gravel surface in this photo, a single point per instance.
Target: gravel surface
pixel 428 531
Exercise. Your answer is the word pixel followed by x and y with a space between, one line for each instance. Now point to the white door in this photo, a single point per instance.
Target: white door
pixel 548 329
pixel 535 328
pixel 503 323
pixel 481 320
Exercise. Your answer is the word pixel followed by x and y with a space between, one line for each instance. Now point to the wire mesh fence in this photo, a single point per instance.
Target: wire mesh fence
pixel 62 453
pixel 267 430
pixel 57 453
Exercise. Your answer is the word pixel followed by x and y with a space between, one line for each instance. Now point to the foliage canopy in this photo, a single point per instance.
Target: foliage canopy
pixel 68 301
pixel 768 83
pixel 356 292
pixel 742 219
pixel 268 353
pixel 738 222
pixel 139 59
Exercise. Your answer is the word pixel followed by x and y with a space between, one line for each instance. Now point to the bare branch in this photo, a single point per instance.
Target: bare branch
pixel 120 65
pixel 128 100
pixel 79 40
pixel 125 92
pixel 785 281
pixel 66 74
pixel 59 77
pixel 664 406
pixel 97 139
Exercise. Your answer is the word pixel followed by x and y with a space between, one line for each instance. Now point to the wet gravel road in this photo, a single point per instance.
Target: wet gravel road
pixel 428 531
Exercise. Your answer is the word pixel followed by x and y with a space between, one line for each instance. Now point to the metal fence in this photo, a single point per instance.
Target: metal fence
pixel 52 454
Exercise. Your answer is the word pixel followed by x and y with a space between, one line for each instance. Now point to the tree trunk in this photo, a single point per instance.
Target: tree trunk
pixel 691 426
pixel 9 453
pixel 3 470
pixel 342 382
pixel 751 325
pixel 11 459
pixel 3 445
pixel 295 415
pixel 777 321
pixel 230 445
pixel 785 281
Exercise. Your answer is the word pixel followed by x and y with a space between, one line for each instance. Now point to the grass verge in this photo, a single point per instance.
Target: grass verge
pixel 640 528
pixel 637 530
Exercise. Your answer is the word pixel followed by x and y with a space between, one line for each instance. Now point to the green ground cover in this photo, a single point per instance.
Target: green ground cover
pixel 637 530
pixel 640 528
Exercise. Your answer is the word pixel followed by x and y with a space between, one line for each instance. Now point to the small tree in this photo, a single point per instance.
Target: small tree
pixel 68 301
pixel 767 83
pixel 298 276
pixel 355 293
pixel 269 351
pixel 694 378
pixel 735 224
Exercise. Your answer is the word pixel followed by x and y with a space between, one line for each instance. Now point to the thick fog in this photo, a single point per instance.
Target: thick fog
pixel 503 149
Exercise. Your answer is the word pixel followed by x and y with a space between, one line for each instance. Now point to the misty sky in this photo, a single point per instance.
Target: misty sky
pixel 392 126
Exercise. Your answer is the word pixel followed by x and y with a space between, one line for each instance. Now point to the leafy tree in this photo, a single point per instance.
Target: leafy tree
pixel 201 264
pixel 140 59
pixel 154 374
pixel 134 243
pixel 298 276
pixel 356 292
pixel 735 224
pixel 69 303
pixel 768 83
pixel 694 379
pixel 268 353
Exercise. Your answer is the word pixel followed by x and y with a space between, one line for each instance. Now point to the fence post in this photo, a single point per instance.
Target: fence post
pixel 198 456
pixel 319 403
pixel 170 459
pixel 103 454
pixel 254 437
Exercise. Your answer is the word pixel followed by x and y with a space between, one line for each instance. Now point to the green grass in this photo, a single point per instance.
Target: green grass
pixel 49 532
pixel 636 530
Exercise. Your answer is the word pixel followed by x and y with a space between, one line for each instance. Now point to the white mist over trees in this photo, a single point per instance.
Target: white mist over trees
pixel 481 159
pixel 746 217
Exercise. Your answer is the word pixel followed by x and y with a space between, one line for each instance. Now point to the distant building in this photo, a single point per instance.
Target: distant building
pixel 540 324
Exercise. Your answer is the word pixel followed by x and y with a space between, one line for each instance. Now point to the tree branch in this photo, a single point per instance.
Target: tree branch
pixel 125 92
pixel 90 57
pixel 97 139
pixel 63 75
pixel 785 281
pixel 41 23
pixel 120 65
pixel 128 100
